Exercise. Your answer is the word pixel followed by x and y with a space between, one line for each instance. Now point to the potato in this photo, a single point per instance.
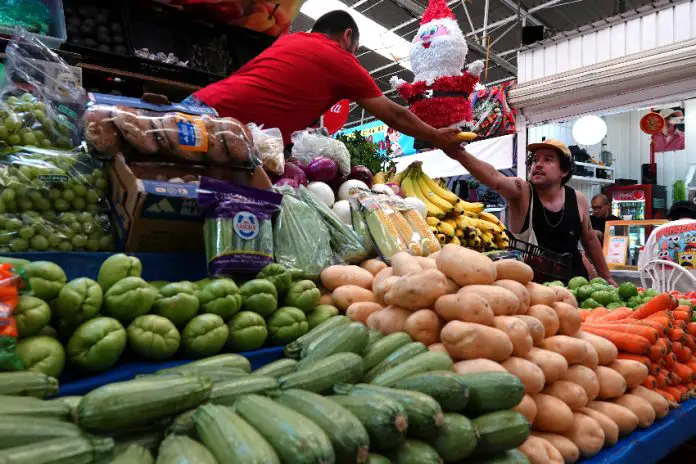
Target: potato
pixel 547 316
pixel 433 256
pixel 382 282
pixel 585 377
pixel 466 340
pixel 518 332
pixel 570 393
pixel 563 295
pixel 567 448
pixel 346 295
pixel 423 326
pixel 336 276
pixel 540 451
pixel 606 350
pixel 388 320
pixel 361 311
pixel 426 263
pixel 536 328
pixel 417 290
pixel 591 359
pixel 573 349
pixel 568 317
pixel 658 402
pixel 477 365
pixel 638 406
pixel 438 347
pixel 530 374
pixel 465 266
pixel 611 383
pixel 623 417
pixel 538 294
pixel 527 408
pixel 374 266
pixel 633 372
pixel 511 269
pixel 611 430
pixel 503 302
pixel 553 415
pixel 465 308
pixel 553 365
pixel 587 435
pixel 452 286
pixel 326 299
pixel 403 263
pixel 519 290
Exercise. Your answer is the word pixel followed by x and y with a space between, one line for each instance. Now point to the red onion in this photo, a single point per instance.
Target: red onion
pixel 321 169
pixel 292 171
pixel 287 181
pixel 363 174
pixel 336 182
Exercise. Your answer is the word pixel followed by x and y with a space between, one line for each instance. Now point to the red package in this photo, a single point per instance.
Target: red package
pixel 10 282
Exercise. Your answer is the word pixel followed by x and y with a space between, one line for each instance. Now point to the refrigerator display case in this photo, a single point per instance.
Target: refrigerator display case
pixel 624 241
pixel 638 202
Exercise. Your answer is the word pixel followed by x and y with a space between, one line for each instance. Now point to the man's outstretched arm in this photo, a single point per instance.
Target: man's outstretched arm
pixel 510 188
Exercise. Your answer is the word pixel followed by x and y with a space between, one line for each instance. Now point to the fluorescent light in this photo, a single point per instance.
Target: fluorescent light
pixel 372 35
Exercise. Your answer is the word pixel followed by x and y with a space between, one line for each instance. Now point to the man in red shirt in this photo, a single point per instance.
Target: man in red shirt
pixel 296 80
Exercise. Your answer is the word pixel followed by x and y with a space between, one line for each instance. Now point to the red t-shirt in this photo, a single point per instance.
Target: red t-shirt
pixel 291 84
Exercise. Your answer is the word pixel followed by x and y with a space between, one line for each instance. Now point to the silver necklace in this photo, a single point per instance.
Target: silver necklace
pixel 543 210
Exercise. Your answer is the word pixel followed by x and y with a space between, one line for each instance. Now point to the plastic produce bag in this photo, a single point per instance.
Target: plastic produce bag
pixel 307 145
pixel 269 148
pixel 238 230
pixel 493 117
pixel 300 237
pixel 41 100
pixel 10 282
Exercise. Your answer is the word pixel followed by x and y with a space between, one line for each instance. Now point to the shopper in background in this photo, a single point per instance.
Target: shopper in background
pixel 601 213
pixel 544 211
pixel 670 138
pixel 298 78
pixel 674 241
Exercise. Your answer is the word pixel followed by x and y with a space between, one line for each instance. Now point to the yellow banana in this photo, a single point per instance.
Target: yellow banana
pixel 491 218
pixel 442 239
pixel 434 230
pixel 485 226
pixel 380 178
pixel 432 221
pixel 446 229
pixel 460 206
pixel 450 222
pixel 411 190
pixel 440 202
pixel 487 237
pixel 467 136
pixel 459 233
pixel 455 241
pixel 470 214
pixel 437 189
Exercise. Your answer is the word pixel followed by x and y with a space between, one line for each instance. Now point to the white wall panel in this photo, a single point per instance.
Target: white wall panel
pixel 633 36
pixel 538 64
pixel 562 58
pixel 589 49
pixel 665 26
pixel 575 53
pixel 618 40
pixel 549 61
pixel 603 45
pixel 682 22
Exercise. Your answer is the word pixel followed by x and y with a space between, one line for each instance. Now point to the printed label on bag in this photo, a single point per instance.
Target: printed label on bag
pixel 192 133
pixel 246 225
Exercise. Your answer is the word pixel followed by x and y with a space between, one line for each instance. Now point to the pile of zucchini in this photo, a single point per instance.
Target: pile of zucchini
pixel 345 394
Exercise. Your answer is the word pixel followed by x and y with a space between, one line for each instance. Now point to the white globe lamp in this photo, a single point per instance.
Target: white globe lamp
pixel 589 130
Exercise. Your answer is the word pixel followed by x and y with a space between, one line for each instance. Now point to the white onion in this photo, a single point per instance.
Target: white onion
pixel 417 204
pixel 344 189
pixel 382 188
pixel 323 192
pixel 342 210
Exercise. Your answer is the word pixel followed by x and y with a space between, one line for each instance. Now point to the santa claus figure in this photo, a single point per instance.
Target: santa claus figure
pixel 439 94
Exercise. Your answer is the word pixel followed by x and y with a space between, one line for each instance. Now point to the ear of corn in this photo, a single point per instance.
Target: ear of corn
pixel 411 238
pixel 429 242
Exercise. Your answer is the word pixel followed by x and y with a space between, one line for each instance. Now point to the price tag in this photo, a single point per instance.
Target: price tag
pixel 618 247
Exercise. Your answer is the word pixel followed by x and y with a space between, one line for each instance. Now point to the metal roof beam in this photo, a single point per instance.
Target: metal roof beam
pixel 523 12
pixel 527 15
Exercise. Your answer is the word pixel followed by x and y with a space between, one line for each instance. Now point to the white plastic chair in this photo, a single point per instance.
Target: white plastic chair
pixel 665 275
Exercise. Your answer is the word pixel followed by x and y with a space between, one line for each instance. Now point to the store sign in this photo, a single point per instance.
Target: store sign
pixel 386 137
pixel 618 247
pixel 334 119
pixel 629 195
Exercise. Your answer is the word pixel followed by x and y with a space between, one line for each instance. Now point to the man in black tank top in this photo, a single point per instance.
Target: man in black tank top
pixel 544 211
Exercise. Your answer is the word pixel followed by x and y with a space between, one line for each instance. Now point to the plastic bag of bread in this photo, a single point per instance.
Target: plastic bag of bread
pixel 270 148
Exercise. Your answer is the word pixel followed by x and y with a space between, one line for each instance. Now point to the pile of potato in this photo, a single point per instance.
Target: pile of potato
pixel 490 316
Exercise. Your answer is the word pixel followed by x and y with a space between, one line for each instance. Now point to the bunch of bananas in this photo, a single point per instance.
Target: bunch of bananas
pixel 452 219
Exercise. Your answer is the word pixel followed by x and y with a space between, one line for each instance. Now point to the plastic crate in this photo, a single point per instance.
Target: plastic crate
pixel 57 32
pixel 547 265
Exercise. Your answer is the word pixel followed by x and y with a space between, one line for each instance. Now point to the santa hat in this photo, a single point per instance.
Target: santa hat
pixel 437 10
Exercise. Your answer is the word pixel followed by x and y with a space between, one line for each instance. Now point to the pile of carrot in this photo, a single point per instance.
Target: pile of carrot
pixel 660 335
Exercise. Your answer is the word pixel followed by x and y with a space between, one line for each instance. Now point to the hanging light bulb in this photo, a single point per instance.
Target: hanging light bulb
pixel 589 130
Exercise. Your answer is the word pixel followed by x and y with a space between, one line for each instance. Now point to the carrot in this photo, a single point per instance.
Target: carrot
pixel 684 372
pixel 597 313
pixel 654 369
pixel 657 352
pixel 657 325
pixel 584 314
pixel 684 391
pixel 650 382
pixel 616 315
pixel 680 324
pixel 665 321
pixel 668 344
pixel 662 380
pixel 683 353
pixel 691 342
pixel 674 379
pixel 666 395
pixel 675 392
pixel 659 303
pixel 692 365
pixel 646 332
pixel 629 343
pixel 685 308
pixel 635 357
pixel 663 313
pixel 670 361
pixel 677 335
pixel 691 328
pixel 682 316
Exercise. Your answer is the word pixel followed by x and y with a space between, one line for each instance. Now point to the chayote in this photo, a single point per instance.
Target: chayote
pixel 221 297
pixel 79 300
pixel 278 275
pixel 247 332
pixel 177 302
pixel 45 279
pixel 97 344
pixel 117 267
pixel 205 335
pixel 320 314
pixel 129 298
pixel 260 296
pixel 32 314
pixel 42 354
pixel 48 331
pixel 158 283
pixel 286 325
pixel 153 337
pixel 303 295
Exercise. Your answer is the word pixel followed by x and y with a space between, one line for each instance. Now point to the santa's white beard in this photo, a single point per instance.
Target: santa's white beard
pixel 446 56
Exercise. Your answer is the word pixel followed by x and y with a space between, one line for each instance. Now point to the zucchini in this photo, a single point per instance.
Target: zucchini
pixel 123 405
pixel 72 401
pixel 34 407
pixel 384 419
pixel 400 356
pixel 295 438
pixel 373 336
pixel 18 430
pixel 424 362
pixel 350 338
pixel 236 361
pixel 492 391
pixel 324 374
pixel 149 440
pixel 293 350
pixel 424 413
pixel 446 387
pixel 178 449
pixel 512 456
pixel 500 431
pixel 373 458
pixel 374 354
pixel 225 393
pixel 230 438
pixel 27 383
pixel 183 424
pixel 73 450
pixel 134 454
pixel 278 368
pixel 456 439
pixel 415 452
pixel 215 374
pixel 348 436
